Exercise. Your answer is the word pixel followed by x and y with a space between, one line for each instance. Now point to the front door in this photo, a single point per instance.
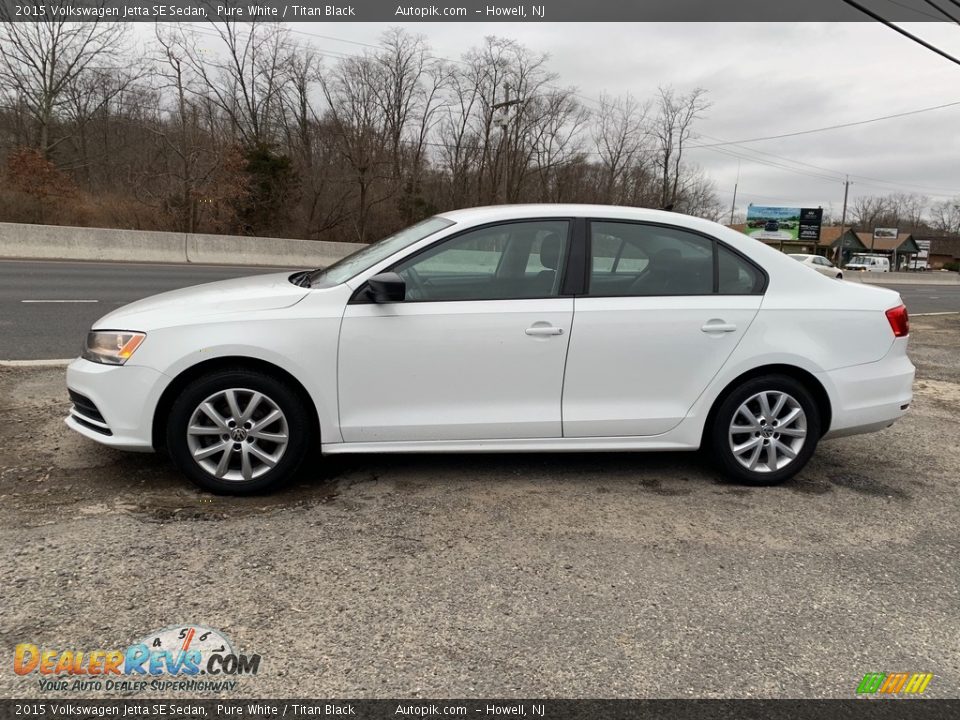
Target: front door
pixel 476 350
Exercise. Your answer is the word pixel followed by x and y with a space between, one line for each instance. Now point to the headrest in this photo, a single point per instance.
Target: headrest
pixel 550 248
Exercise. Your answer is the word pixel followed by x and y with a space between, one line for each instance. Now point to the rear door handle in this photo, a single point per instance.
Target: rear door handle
pixel 542 330
pixel 718 326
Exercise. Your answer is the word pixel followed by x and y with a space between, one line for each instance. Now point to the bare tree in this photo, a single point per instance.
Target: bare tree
pixel 460 146
pixel 671 129
pixel 555 140
pixel 945 216
pixel 361 136
pixel 40 60
pixel 620 138
pixel 246 82
pixel 408 90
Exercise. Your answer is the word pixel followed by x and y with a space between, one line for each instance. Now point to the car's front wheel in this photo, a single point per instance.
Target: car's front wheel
pixel 766 430
pixel 238 432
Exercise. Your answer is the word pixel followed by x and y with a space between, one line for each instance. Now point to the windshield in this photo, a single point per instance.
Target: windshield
pixel 367 257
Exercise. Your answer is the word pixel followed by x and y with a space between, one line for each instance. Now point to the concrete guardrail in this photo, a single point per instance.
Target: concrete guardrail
pixel 54 242
pixel 931 277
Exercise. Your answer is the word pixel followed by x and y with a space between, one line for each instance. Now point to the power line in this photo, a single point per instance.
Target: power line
pixel 932 4
pixel 834 127
pixel 927 189
pixel 918 40
pixel 916 10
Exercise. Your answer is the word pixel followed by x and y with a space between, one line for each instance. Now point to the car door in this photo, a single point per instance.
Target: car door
pixel 664 308
pixel 475 351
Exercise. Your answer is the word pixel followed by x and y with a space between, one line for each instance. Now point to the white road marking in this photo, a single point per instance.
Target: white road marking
pixel 949 312
pixel 35 363
pixel 59 301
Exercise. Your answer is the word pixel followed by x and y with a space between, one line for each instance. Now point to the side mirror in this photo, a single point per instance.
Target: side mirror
pixel 387 287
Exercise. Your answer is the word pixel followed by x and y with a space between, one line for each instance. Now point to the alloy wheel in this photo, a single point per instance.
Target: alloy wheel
pixel 768 431
pixel 237 434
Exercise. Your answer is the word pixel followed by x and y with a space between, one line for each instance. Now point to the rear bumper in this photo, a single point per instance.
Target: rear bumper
pixel 114 404
pixel 870 397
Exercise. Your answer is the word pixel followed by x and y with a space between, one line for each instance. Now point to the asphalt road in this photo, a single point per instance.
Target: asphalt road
pixel 555 575
pixel 32 327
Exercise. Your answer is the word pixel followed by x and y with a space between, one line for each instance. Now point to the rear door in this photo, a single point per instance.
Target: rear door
pixel 664 309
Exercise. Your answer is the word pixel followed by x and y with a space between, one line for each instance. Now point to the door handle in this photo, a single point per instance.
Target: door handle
pixel 718 326
pixel 543 330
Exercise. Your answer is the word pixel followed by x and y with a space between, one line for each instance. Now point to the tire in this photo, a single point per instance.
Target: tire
pixel 227 447
pixel 839 276
pixel 742 418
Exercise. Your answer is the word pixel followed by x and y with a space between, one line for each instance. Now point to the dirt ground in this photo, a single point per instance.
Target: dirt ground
pixel 501 576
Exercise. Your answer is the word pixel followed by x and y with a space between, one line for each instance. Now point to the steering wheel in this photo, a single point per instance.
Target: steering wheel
pixel 415 283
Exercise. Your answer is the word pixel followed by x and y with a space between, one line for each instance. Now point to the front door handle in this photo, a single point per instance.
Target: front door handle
pixel 538 330
pixel 718 326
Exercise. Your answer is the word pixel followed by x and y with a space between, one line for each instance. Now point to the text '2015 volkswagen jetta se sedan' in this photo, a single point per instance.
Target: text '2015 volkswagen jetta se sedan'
pixel 516 328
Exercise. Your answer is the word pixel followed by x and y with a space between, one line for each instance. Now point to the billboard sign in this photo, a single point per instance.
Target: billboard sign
pixel 811 219
pixel 783 223
pixel 880 233
pixel 924 246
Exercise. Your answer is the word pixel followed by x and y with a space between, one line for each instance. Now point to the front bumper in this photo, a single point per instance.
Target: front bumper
pixel 114 404
pixel 870 397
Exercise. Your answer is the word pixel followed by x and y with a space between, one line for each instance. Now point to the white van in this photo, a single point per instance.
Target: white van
pixel 869 263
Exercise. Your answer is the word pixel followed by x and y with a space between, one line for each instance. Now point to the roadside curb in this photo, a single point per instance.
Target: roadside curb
pixel 35 363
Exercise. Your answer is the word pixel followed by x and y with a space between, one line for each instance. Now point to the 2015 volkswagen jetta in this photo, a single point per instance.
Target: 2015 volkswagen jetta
pixel 515 328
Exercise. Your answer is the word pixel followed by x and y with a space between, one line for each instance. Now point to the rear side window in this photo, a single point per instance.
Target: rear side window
pixel 640 260
pixel 646 260
pixel 736 275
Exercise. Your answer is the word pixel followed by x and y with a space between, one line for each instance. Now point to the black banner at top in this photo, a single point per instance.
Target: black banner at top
pixel 396 11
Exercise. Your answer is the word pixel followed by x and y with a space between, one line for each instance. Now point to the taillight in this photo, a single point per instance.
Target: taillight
pixel 899 321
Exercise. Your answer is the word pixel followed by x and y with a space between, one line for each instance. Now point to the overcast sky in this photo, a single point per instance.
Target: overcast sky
pixel 763 79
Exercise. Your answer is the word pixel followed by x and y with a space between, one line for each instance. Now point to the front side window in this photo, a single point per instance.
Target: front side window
pixel 498 262
pixel 646 260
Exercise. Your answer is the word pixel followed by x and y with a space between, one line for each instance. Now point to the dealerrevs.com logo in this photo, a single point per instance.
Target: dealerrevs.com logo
pixel 180 657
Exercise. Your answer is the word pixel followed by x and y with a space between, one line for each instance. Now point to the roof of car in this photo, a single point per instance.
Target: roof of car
pixel 506 212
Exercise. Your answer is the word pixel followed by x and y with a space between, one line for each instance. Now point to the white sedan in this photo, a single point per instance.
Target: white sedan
pixel 540 328
pixel 820 264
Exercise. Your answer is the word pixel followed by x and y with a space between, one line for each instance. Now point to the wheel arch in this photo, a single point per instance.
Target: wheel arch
pixel 806 378
pixel 181 381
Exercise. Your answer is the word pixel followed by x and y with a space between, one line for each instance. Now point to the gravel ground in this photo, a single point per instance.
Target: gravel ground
pixel 502 576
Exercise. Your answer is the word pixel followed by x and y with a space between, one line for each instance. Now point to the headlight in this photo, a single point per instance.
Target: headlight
pixel 111 347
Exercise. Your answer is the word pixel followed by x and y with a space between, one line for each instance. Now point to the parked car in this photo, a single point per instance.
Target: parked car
pixel 541 328
pixel 771 226
pixel 820 264
pixel 868 263
pixel 920 265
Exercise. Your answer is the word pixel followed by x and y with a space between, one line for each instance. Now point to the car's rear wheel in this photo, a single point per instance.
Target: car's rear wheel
pixel 238 432
pixel 766 430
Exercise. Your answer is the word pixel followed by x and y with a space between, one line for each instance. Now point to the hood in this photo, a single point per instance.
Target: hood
pixel 246 294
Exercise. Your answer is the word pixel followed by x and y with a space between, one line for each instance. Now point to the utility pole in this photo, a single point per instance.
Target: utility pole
pixel 504 121
pixel 735 184
pixel 843 219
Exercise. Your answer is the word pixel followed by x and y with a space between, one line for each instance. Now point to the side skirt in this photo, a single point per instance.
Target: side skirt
pixel 590 444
